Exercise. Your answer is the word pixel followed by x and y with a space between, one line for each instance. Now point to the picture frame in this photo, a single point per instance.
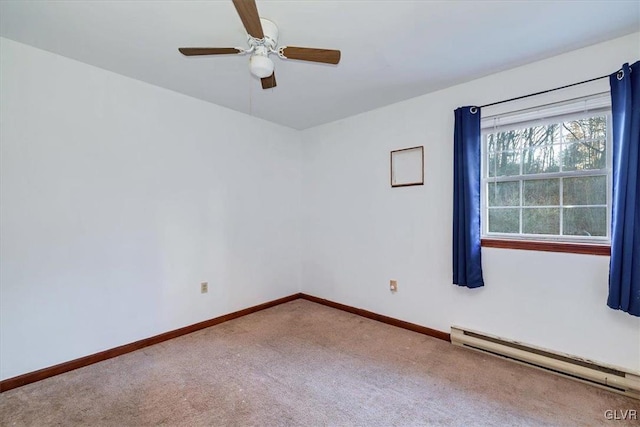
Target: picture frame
pixel 407 167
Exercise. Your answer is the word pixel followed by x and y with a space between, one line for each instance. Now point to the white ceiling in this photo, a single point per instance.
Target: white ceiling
pixel 391 50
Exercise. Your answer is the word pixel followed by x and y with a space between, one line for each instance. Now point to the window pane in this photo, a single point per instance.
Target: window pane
pixel 585 155
pixel 504 220
pixel 541 221
pixel 585 129
pixel 503 141
pixel 541 160
pixel 587 190
pixel 542 192
pixel 585 221
pixel 539 136
pixel 504 193
pixel 504 164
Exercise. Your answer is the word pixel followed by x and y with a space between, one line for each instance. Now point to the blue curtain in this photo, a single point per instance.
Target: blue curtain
pixel 467 265
pixel 624 269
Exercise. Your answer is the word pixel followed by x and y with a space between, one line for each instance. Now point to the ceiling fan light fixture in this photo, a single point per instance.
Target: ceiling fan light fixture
pixel 261 66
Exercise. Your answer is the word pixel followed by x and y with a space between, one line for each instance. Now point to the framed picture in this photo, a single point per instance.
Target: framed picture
pixel 407 167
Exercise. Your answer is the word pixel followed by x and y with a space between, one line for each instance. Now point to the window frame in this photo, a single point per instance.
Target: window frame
pixel 574 109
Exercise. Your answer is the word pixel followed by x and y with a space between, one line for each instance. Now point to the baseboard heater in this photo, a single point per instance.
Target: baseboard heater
pixel 607 377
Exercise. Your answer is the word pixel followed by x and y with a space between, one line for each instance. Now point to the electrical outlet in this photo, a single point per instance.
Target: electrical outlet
pixel 204 287
pixel 393 285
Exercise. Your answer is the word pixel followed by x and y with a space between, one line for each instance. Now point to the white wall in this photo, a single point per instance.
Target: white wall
pixel 119 198
pixel 359 233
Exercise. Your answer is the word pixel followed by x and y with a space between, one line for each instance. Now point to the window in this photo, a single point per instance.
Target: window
pixel 546 174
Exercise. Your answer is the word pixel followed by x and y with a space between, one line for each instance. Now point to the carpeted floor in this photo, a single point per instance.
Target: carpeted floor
pixel 305 364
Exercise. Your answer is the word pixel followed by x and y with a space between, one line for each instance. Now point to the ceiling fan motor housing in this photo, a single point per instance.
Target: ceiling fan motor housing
pixel 270 31
pixel 270 40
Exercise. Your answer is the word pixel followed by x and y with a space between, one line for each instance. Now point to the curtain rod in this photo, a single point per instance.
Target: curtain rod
pixel 544 91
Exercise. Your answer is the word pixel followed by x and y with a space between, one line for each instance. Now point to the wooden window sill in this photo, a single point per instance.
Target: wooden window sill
pixel 530 245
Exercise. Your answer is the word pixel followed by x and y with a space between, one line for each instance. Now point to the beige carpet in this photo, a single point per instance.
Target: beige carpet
pixel 304 364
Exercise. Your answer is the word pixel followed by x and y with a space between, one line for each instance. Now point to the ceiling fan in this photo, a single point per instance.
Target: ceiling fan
pixel 263 41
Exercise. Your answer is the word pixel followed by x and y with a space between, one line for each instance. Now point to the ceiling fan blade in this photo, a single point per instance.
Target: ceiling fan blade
pixel 269 82
pixel 326 56
pixel 248 12
pixel 193 51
